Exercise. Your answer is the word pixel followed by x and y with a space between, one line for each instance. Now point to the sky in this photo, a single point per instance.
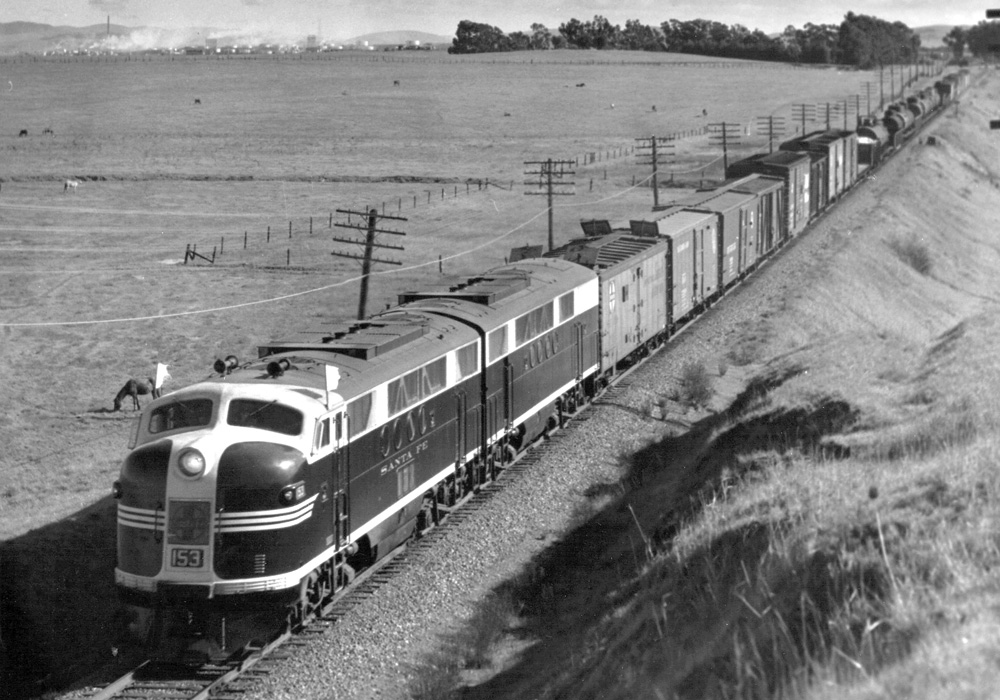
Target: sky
pixel 337 20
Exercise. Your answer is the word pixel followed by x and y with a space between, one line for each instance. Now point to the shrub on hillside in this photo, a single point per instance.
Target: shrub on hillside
pixel 696 385
pixel 913 252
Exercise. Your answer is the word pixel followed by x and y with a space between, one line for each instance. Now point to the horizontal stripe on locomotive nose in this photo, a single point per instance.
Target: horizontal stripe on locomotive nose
pixel 143 518
pixel 253 521
pixel 247 521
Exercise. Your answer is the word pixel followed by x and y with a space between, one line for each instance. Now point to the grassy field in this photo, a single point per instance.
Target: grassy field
pixel 92 289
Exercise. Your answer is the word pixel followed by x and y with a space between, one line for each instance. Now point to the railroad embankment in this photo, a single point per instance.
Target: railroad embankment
pixel 828 528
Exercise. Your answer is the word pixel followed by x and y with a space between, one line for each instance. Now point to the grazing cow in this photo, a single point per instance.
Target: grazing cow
pixel 506 114
pixel 395 83
pixel 48 132
pixel 134 387
pixel 197 100
pixel 580 84
pixel 71 185
pixel 24 132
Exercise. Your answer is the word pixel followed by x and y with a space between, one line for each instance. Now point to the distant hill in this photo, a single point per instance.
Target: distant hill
pixel 31 37
pixel 400 37
pixel 933 35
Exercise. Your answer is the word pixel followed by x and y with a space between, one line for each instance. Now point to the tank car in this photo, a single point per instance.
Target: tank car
pixel 898 121
pixel 270 483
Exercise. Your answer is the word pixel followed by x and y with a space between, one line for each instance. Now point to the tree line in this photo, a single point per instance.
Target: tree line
pixel 860 40
pixel 981 40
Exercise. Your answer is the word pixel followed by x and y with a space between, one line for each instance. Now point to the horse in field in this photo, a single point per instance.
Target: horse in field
pixel 71 185
pixel 23 132
pixel 133 388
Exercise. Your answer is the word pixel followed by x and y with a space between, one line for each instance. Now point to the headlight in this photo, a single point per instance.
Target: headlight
pixel 291 494
pixel 116 490
pixel 191 462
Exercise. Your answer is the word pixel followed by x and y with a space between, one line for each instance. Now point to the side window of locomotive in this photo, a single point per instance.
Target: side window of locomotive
pixel 181 415
pixel 417 385
pixel 566 306
pixel 266 415
pixel 358 413
pixel 468 361
pixel 322 434
pixel 497 343
pixel 532 324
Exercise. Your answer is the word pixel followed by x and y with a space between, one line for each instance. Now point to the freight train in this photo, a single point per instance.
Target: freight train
pixel 277 479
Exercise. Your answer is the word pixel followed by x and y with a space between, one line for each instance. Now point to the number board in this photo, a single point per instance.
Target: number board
pixel 186 558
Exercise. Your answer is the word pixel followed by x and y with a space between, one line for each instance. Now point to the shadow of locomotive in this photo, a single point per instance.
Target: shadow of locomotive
pixel 60 618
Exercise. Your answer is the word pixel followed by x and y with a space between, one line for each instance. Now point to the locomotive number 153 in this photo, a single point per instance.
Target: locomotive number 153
pixel 186 558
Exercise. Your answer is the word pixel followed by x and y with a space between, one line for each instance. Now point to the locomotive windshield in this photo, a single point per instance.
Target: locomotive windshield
pixel 266 415
pixel 178 415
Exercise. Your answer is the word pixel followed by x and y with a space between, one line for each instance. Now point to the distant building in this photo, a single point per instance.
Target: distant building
pixel 312 43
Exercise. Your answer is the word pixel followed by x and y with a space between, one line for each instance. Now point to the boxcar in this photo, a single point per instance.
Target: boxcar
pixel 772 225
pixel 793 168
pixel 694 267
pixel 635 283
pixel 819 183
pixel 737 231
pixel 840 147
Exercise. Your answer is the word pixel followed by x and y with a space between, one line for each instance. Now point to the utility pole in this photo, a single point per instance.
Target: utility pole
pixel 802 112
pixel 868 98
pixel 550 173
pixel 370 228
pixel 657 147
pixel 724 133
pixel 775 128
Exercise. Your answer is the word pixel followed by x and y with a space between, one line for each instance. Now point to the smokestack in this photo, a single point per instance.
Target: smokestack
pixel 109 25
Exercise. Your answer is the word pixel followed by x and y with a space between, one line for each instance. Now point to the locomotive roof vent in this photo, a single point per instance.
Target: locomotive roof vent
pixel 364 340
pixel 487 289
